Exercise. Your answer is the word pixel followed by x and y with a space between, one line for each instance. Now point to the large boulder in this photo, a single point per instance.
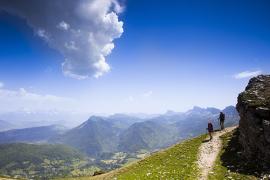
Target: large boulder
pixel 254 110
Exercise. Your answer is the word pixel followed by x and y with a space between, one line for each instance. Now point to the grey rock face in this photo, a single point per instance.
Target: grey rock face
pixel 254 110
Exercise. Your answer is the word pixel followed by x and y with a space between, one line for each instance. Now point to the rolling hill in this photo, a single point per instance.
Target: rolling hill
pixel 93 137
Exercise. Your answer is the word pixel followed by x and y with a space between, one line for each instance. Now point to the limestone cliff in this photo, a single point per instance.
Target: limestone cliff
pixel 254 110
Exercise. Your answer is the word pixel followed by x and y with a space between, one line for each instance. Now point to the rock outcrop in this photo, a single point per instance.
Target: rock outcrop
pixel 254 110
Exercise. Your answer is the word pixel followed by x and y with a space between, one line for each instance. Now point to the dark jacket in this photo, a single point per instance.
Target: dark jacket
pixel 210 127
pixel 222 116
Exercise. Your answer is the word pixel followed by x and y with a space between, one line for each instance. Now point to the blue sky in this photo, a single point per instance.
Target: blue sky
pixel 172 55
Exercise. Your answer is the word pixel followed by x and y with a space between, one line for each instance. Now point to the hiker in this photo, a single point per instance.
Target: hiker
pixel 210 129
pixel 221 120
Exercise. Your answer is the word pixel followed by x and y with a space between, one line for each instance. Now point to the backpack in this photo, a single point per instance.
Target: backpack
pixel 222 116
pixel 210 127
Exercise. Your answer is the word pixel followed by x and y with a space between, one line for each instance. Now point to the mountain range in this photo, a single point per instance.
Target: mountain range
pixel 99 135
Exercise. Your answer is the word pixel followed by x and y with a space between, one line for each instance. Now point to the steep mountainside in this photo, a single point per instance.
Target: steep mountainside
pixel 147 135
pixel 254 109
pixel 93 137
pixel 30 135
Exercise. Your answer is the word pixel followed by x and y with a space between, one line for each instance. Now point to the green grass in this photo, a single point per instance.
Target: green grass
pixel 230 163
pixel 176 162
pixel 38 161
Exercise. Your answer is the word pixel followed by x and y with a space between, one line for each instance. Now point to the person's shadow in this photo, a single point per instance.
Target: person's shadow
pixel 206 140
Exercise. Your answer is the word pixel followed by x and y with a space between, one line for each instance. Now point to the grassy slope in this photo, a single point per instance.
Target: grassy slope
pixel 176 162
pixel 179 162
pixel 229 163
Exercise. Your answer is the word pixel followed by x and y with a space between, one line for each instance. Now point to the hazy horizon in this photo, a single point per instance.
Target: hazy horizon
pixel 55 112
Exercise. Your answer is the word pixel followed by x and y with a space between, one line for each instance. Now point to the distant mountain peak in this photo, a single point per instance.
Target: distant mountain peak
pixel 197 109
pixel 170 113
pixel 92 120
pixel 213 110
pixel 95 118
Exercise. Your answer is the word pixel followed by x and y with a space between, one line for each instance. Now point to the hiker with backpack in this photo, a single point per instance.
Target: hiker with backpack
pixel 210 129
pixel 221 120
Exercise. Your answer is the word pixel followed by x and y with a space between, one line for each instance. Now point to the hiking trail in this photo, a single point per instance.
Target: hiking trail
pixel 208 153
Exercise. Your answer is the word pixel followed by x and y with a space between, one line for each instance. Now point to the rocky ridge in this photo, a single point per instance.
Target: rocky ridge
pixel 254 110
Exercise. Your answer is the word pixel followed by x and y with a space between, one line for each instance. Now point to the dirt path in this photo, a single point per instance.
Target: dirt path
pixel 208 153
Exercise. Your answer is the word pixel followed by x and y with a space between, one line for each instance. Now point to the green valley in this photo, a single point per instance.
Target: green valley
pixel 41 161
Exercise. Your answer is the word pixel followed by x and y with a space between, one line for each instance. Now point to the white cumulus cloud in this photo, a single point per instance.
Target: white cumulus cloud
pixel 83 31
pixel 247 74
